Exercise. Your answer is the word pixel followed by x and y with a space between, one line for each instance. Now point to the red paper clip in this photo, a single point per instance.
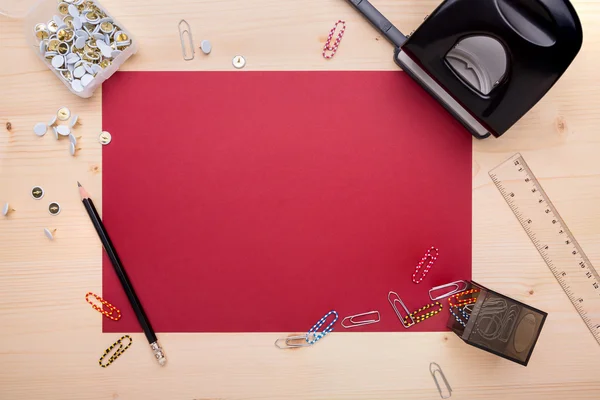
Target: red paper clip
pixel 328 47
pixel 428 256
pixel 462 302
pixel 112 312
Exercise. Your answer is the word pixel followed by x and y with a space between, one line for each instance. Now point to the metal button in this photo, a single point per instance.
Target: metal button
pixel 239 62
pixel 37 192
pixel 54 208
pixel 104 138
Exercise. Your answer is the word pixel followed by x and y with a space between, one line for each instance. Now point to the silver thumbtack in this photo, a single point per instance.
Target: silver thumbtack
pixel 63 130
pixel 37 192
pixel 40 129
pixel 73 149
pixel 105 138
pixel 205 46
pixel 49 233
pixel 239 62
pixel 74 121
pixel 73 139
pixel 54 208
pixel 6 209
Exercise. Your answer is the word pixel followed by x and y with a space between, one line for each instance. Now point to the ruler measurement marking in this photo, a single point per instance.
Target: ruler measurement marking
pixel 579 272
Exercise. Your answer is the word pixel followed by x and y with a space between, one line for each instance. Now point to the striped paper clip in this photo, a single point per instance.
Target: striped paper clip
pixel 117 353
pixel 329 50
pixel 112 313
pixel 430 257
pixel 314 331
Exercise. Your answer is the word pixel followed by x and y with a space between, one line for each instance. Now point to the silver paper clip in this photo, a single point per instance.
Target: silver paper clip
pixel 455 284
pixel 287 342
pixel 433 368
pixel 354 323
pixel 182 34
pixel 393 304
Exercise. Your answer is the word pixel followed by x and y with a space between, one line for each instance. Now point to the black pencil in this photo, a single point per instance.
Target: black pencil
pixel 127 287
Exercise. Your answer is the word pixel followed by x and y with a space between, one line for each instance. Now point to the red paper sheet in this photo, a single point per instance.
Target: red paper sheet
pixel 259 201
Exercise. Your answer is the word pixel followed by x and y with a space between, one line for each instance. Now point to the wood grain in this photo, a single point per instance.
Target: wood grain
pixel 50 341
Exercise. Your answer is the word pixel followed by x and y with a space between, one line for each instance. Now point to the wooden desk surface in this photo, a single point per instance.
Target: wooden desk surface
pixel 50 340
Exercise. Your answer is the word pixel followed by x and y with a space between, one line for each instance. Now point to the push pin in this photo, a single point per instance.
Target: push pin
pixel 73 149
pixel 7 210
pixel 104 138
pixel 40 129
pixel 75 119
pixel 37 192
pixel 205 46
pixel 63 113
pixel 239 62
pixel 73 139
pixel 55 132
pixel 52 121
pixel 54 208
pixel 63 130
pixel 49 233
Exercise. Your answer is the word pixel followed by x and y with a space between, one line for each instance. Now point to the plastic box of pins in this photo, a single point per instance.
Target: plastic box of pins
pixel 79 40
pixel 495 323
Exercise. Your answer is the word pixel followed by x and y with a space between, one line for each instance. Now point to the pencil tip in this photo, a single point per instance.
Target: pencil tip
pixel 78 184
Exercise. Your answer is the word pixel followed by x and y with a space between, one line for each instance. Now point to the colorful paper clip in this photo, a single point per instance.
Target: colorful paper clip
pixel 458 319
pixel 456 284
pixel 462 302
pixel 418 317
pixel 435 368
pixel 112 313
pixel 430 257
pixel 314 330
pixel 328 47
pixel 393 304
pixel 355 322
pixel 288 342
pixel 120 350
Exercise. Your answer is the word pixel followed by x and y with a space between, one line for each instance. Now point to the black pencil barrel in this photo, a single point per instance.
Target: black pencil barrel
pixel 116 262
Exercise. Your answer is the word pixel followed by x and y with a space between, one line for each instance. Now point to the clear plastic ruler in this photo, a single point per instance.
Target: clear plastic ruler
pixel 551 237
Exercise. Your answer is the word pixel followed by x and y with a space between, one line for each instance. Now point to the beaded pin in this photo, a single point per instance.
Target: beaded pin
pixel 420 318
pixel 319 335
pixel 430 256
pixel 120 350
pixel 108 314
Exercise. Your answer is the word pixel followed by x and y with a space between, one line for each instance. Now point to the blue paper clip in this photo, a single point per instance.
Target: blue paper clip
pixel 319 335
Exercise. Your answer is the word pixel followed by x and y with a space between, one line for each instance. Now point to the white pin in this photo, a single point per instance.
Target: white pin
pixel 80 42
pixel 43 46
pixel 6 209
pixel 63 130
pixel 76 85
pixel 81 33
pixel 88 68
pixel 98 36
pixel 55 132
pixel 73 149
pixel 74 121
pixel 238 62
pixel 96 68
pixel 49 233
pixel 58 20
pixel 73 11
pixel 58 61
pixel 40 129
pixel 115 53
pixel 79 71
pixel 77 24
pixel 104 48
pixel 205 46
pixel 86 79
pixel 72 58
pixel 73 139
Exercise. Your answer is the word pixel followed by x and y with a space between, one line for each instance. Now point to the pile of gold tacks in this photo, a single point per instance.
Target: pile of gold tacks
pixel 81 41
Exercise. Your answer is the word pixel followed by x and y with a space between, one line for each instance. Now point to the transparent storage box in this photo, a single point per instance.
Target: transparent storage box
pixel 79 40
